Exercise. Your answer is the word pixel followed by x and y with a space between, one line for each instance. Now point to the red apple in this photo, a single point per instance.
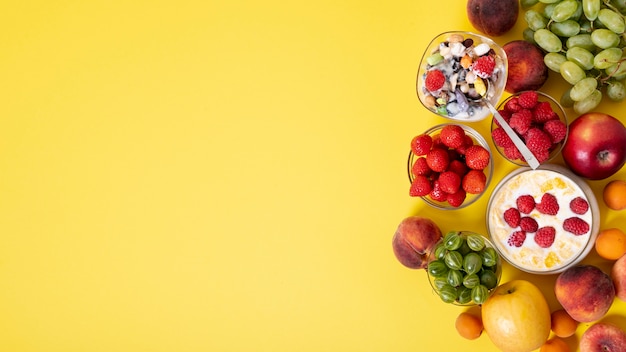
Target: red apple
pixel 596 146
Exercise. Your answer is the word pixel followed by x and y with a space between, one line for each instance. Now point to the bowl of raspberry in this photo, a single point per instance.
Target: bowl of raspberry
pixel 458 73
pixel 543 221
pixel 449 166
pixel 538 119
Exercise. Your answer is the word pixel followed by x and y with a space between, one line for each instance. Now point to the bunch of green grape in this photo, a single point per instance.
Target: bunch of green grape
pixel 583 41
pixel 464 269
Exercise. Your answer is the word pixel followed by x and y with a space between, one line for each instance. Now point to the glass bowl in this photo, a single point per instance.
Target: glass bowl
pixel 531 246
pixel 526 120
pixel 476 139
pixel 464 268
pixel 461 97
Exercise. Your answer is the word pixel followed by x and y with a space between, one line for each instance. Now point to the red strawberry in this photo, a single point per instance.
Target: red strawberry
pixel 421 144
pixel 537 140
pixel 548 204
pixel 458 167
pixel 477 157
pixel 437 159
pixel 456 199
pixel 576 225
pixel 520 121
pixel 420 167
pixel 420 186
pixel 579 205
pixel 435 79
pixel 517 238
pixel 512 217
pixel 467 142
pixel 437 194
pixel 483 67
pixel 545 236
pixel 449 181
pixel 500 138
pixel 528 224
pixel 543 112
pixel 525 203
pixel 474 182
pixel 528 99
pixel 556 129
pixel 452 136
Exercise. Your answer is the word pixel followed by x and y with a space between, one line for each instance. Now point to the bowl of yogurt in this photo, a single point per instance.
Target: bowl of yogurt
pixel 543 221
pixel 458 73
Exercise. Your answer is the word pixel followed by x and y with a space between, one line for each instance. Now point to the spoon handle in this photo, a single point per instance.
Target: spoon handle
pixel 526 153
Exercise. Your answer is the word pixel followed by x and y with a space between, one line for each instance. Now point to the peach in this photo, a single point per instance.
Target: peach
pixel 618 274
pixel 527 70
pixel 493 17
pixel 413 240
pixel 585 292
pixel 601 337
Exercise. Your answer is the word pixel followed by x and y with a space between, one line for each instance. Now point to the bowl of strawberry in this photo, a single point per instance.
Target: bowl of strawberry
pixel 449 166
pixel 538 119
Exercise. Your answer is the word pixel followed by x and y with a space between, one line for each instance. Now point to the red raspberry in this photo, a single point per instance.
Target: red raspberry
pixel 449 181
pixel 477 157
pixel 421 144
pixel 579 205
pixel 517 238
pixel 420 167
pixel 541 155
pixel 548 204
pixel 512 153
pixel 525 203
pixel 512 217
pixel 528 224
pixel 456 199
pixel 437 194
pixel 512 105
pixel 537 140
pixel 483 67
pixel 545 236
pixel 474 182
pixel 420 186
pixel 576 225
pixel 543 112
pixel 528 99
pixel 506 115
pixel 437 159
pixel 520 121
pixel 452 136
pixel 458 167
pixel 556 129
pixel 435 79
pixel 500 138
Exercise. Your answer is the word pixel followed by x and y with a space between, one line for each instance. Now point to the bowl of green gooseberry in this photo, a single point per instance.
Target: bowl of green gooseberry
pixel 464 268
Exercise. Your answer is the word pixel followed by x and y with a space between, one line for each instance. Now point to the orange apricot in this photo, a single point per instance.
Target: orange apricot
pixel 469 326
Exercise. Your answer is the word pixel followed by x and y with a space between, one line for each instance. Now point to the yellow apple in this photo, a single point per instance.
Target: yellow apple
pixel 517 317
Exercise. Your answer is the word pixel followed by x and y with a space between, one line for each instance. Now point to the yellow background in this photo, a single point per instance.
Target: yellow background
pixel 221 176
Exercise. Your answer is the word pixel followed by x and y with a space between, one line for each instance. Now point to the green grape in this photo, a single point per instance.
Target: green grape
pixel 440 251
pixel 580 56
pixel 464 249
pixel 529 35
pixel 568 28
pixel 548 1
pixel 620 5
pixel 480 294
pixel 571 72
pixel 464 295
pixel 604 38
pixel 566 100
pixel 589 103
pixel 454 260
pixel 471 280
pixel 535 20
pixel 448 293
pixel 434 59
pixel 453 240
pixel 607 58
pixel 548 10
pixel 578 14
pixel 547 40
pixel 440 282
pixel 475 242
pixel 490 257
pixel 582 41
pixel 472 263
pixel 591 8
pixel 583 88
pixel 586 26
pixel 564 10
pixel 455 278
pixel 612 20
pixel 554 61
pixel 526 4
pixel 616 91
pixel 437 268
pixel 616 71
pixel 489 279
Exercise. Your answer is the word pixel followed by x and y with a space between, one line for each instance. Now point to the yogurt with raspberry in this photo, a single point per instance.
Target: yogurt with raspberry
pixel 459 71
pixel 561 208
